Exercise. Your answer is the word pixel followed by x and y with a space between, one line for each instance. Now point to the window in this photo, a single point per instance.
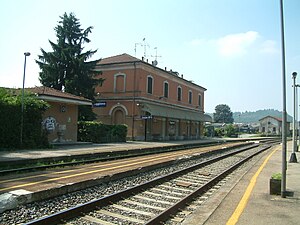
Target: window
pixel 119 82
pixel 166 89
pixel 150 85
pixel 179 93
pixel 190 97
pixel 200 100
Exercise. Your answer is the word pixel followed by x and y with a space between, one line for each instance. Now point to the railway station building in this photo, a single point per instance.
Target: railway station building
pixel 155 104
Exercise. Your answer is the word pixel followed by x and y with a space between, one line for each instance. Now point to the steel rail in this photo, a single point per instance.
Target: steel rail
pixel 107 156
pixel 182 203
pixel 107 200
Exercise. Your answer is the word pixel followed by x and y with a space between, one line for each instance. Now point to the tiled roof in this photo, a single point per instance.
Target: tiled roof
pixel 126 58
pixel 276 118
pixel 55 93
pixel 123 58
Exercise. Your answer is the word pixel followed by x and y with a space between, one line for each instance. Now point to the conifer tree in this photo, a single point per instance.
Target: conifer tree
pixel 66 67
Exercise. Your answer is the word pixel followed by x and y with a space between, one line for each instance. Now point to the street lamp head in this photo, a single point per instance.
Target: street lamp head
pixel 27 53
pixel 294 75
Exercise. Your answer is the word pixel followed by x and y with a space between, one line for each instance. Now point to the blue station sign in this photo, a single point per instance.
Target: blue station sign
pixel 146 117
pixel 100 104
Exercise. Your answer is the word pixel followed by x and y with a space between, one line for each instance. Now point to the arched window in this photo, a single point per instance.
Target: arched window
pixel 179 93
pixel 119 82
pixel 149 84
pixel 200 101
pixel 166 89
pixel 118 117
pixel 190 97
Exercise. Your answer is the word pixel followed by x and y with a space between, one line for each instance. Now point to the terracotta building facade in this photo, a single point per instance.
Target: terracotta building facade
pixel 155 104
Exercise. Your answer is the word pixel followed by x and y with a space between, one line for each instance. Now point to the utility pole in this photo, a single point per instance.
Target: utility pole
pixel 284 163
pixel 293 158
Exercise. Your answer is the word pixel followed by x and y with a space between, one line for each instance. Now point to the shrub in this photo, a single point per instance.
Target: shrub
pixel 230 131
pixel 10 120
pixel 97 132
pixel 276 176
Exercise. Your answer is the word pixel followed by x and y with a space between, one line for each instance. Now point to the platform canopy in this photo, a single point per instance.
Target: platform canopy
pixel 175 112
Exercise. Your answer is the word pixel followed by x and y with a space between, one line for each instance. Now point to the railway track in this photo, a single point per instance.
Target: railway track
pixel 32 181
pixel 155 201
pixel 92 158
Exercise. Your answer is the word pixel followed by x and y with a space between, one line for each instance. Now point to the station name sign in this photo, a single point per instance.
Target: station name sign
pixel 146 117
pixel 100 104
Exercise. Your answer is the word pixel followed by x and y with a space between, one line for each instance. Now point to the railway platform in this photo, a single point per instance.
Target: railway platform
pixel 249 202
pixel 61 151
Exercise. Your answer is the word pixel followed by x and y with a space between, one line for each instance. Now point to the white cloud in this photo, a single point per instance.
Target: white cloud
pixel 236 44
pixel 269 47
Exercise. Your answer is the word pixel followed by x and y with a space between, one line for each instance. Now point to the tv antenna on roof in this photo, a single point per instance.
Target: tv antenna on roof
pixel 144 44
pixel 145 47
pixel 136 44
pixel 156 56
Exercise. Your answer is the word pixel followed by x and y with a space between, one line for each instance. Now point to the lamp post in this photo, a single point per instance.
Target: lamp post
pixel 22 104
pixel 297 120
pixel 293 158
pixel 283 155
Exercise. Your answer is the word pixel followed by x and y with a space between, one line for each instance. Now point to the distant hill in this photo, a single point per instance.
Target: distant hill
pixel 254 117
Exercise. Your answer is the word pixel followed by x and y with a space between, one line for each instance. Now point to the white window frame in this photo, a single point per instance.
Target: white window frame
pixel 166 95
pixel 149 76
pixel 115 81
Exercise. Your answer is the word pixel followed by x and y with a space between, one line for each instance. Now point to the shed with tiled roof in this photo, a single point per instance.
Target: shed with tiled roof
pixel 60 120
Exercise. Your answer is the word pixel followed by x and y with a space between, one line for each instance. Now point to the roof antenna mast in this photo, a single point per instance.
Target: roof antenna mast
pixel 145 47
pixel 155 56
pixel 136 44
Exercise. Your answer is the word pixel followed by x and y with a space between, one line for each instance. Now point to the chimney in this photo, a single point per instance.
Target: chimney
pixel 182 76
pixel 142 58
pixel 165 68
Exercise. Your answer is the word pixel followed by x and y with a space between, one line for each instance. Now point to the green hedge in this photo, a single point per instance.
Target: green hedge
pixel 10 120
pixel 96 132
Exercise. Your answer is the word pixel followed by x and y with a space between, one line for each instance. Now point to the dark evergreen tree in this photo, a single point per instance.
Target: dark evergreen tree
pixel 66 67
pixel 223 114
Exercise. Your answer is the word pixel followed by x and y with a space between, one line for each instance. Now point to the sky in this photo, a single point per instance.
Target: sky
pixel 230 47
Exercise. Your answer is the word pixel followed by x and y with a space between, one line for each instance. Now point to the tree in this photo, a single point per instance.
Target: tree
pixel 223 114
pixel 66 67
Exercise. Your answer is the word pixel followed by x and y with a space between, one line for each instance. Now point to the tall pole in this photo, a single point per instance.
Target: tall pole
pixel 22 103
pixel 133 102
pixel 284 163
pixel 293 158
pixel 297 116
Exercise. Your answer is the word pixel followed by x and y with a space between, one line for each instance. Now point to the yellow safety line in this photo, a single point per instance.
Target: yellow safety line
pixel 90 172
pixel 167 155
pixel 71 170
pixel 74 175
pixel 243 202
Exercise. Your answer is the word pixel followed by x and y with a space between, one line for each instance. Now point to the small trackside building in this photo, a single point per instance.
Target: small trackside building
pixel 270 125
pixel 156 104
pixel 60 120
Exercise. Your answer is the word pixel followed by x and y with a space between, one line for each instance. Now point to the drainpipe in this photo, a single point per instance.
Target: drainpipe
pixel 133 104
